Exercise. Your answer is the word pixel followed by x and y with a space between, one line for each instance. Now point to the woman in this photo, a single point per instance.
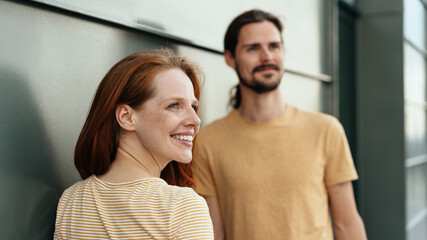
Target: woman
pixel 135 144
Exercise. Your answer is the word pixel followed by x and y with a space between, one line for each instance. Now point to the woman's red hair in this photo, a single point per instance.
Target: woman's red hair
pixel 130 81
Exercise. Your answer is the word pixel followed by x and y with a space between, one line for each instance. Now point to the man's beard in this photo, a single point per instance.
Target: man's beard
pixel 256 85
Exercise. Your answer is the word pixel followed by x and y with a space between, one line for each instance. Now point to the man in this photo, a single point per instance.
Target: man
pixel 269 170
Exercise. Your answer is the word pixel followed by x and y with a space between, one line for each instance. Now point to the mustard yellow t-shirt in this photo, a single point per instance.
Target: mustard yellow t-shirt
pixel 271 177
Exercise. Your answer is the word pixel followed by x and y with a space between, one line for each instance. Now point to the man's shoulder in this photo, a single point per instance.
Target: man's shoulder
pixel 217 131
pixel 218 125
pixel 318 118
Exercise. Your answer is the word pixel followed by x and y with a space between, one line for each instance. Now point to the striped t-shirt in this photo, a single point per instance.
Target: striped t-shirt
pixel 146 208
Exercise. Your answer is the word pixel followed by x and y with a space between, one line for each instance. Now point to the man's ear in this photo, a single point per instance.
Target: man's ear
pixel 229 59
pixel 124 116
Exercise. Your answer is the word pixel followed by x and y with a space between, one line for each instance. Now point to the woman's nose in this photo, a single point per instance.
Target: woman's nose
pixel 192 118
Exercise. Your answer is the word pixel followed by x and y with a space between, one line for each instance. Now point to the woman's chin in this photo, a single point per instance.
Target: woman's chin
pixel 184 160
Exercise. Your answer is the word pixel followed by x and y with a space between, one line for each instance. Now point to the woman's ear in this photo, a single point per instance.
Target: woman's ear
pixel 124 116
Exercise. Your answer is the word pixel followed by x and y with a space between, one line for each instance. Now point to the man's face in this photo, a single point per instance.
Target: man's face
pixel 258 59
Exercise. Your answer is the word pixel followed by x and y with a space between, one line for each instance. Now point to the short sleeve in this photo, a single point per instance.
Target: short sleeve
pixel 339 162
pixel 190 217
pixel 60 211
pixel 202 169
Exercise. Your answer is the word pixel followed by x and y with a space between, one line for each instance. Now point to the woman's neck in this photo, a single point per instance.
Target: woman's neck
pixel 132 162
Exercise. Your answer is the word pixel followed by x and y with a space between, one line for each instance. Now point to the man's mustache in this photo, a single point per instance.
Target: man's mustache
pixel 258 68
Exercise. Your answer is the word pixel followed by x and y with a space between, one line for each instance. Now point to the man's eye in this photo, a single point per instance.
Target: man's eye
pixel 173 106
pixel 195 107
pixel 275 46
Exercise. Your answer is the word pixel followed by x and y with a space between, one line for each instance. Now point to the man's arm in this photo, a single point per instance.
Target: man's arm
pixel 215 213
pixel 347 222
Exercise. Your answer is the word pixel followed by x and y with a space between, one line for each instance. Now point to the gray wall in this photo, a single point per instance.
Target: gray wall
pixel 391 118
pixel 380 118
pixel 51 61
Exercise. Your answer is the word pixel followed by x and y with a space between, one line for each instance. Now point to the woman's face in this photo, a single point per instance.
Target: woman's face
pixel 167 123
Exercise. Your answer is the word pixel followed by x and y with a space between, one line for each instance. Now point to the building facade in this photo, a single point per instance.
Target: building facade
pixel 362 61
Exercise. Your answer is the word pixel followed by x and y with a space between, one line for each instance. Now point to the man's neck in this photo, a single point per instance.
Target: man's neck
pixel 261 107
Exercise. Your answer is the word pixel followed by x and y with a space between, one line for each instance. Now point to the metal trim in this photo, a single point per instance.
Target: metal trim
pixel 416 161
pixel 416 220
pixel 416 103
pixel 320 77
pixel 415 47
pixel 138 26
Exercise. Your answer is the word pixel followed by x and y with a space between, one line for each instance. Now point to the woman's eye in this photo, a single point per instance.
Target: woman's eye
pixel 195 107
pixel 173 106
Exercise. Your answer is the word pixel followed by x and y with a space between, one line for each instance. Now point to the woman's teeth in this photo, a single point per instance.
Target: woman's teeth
pixel 187 138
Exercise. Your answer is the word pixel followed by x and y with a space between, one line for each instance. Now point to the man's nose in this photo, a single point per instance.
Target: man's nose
pixel 266 55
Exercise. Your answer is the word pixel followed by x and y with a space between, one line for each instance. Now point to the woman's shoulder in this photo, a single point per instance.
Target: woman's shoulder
pixel 166 194
pixel 188 199
pixel 185 193
pixel 190 216
pixel 76 186
pixel 74 191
